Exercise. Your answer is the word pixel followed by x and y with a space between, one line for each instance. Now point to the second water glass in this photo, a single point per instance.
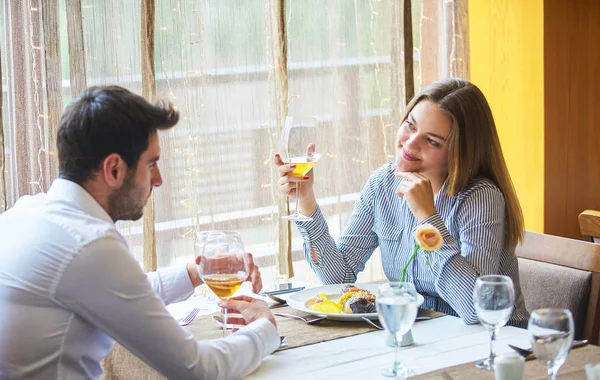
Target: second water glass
pixel 494 298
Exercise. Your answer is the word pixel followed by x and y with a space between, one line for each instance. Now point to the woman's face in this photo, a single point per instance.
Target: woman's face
pixel 422 141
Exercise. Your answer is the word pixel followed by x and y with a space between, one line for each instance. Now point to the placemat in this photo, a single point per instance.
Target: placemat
pixel 534 369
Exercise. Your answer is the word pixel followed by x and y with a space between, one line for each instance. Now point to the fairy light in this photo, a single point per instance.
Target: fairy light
pixel 36 49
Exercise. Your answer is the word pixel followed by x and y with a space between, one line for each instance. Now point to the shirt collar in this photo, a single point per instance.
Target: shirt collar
pixel 68 191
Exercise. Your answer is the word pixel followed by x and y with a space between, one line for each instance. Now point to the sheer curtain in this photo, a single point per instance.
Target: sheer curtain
pixel 234 69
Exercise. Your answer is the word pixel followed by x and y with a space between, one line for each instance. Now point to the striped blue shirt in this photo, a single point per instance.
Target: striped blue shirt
pixel 472 224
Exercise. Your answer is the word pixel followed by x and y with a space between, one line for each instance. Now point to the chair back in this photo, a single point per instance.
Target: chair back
pixel 589 225
pixel 562 273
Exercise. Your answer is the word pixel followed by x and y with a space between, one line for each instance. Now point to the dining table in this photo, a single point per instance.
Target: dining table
pixel 444 348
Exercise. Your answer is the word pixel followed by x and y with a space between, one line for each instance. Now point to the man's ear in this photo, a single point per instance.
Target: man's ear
pixel 114 170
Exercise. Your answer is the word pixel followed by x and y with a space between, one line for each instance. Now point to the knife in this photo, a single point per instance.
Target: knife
pixel 527 354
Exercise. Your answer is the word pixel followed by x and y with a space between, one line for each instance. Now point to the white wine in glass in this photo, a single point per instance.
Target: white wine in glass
pixel 223 265
pixel 298 133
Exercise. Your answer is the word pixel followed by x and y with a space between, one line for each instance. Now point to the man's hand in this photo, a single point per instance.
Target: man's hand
pixel 250 308
pixel 192 270
pixel 253 271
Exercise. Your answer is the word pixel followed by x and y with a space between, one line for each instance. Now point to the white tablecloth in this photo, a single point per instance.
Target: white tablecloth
pixel 439 343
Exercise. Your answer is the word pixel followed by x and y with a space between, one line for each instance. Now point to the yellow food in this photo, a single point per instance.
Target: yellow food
pixel 344 297
pixel 328 307
pixel 321 298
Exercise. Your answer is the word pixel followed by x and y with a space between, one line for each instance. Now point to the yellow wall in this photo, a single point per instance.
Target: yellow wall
pixel 507 63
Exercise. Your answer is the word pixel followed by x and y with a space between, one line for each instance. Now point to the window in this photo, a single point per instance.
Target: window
pixel 214 60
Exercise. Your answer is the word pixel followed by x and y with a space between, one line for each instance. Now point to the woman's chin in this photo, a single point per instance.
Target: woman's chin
pixel 405 166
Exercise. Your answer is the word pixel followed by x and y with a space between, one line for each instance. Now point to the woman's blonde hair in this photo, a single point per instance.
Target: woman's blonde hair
pixel 473 146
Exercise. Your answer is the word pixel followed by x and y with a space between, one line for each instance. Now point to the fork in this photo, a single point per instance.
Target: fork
pixel 307 321
pixel 190 317
pixel 424 318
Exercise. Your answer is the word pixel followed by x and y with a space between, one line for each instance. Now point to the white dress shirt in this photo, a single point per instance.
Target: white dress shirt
pixel 69 286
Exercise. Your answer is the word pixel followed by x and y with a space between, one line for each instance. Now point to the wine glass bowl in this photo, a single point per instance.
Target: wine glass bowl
pixel 396 304
pixel 494 298
pixel 298 133
pixel 551 334
pixel 223 264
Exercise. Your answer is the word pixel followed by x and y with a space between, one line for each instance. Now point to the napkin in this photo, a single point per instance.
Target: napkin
pixel 592 372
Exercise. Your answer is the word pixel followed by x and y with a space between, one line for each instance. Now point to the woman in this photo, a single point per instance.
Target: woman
pixel 449 172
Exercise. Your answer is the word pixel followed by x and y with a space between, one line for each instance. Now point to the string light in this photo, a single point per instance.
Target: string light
pixel 36 94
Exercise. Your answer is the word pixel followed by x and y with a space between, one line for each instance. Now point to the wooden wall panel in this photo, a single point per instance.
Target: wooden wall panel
pixel 572 113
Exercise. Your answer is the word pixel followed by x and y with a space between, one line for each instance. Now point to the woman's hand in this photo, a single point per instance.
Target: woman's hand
pixel 288 183
pixel 417 191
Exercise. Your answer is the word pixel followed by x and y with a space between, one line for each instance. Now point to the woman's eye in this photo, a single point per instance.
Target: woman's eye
pixel 434 143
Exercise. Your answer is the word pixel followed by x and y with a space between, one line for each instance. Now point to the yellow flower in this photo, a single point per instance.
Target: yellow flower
pixel 428 237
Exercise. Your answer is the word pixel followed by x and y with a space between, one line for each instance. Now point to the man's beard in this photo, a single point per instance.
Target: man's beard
pixel 124 203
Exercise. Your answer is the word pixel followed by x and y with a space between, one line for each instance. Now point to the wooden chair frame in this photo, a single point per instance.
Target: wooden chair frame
pixel 589 224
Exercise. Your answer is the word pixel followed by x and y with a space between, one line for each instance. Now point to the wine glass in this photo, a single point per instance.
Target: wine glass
pixel 494 298
pixel 397 309
pixel 298 133
pixel 223 265
pixel 551 334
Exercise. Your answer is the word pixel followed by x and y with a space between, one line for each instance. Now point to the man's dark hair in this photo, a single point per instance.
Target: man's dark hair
pixel 105 120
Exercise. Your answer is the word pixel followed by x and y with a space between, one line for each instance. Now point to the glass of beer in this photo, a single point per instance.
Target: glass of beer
pixel 223 265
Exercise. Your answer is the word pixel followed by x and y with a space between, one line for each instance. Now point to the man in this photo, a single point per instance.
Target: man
pixel 68 283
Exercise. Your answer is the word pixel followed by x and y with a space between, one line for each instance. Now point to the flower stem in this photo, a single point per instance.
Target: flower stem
pixel 412 257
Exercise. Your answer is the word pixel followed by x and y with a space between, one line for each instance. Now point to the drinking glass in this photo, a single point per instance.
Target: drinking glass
pixel 298 133
pixel 223 266
pixel 494 298
pixel 397 309
pixel 551 334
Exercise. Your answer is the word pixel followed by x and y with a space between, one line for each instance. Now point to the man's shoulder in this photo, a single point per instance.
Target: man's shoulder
pixel 70 224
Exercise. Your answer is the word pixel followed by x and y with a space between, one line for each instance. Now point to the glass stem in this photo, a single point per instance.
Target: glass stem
pixel 224 322
pixel 297 197
pixel 398 343
pixel 492 347
pixel 551 371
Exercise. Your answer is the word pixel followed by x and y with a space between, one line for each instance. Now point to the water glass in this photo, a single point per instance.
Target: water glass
pixel 551 333
pixel 397 309
pixel 494 298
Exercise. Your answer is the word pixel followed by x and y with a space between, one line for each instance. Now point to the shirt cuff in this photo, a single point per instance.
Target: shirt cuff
pixel 437 222
pixel 313 229
pixel 176 283
pixel 266 333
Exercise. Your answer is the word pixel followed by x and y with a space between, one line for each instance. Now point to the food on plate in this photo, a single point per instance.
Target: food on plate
pixel 353 301
pixel 328 307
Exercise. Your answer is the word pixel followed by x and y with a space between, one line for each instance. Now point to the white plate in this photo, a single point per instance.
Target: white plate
pixel 334 292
